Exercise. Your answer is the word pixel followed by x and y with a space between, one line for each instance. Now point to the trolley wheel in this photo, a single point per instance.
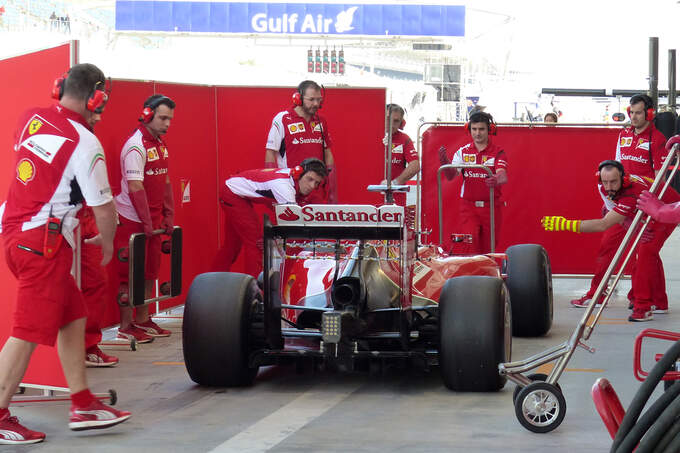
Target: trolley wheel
pixel 123 254
pixel 113 397
pixel 540 407
pixel 534 377
pixel 133 344
pixel 165 288
pixel 123 299
pixel 166 247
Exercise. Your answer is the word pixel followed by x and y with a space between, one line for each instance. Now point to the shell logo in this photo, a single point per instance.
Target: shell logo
pixel 470 158
pixel 34 126
pixel 25 171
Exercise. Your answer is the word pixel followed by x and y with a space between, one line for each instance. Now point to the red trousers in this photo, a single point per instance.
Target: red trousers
pixel 475 221
pixel 611 239
pixel 649 281
pixel 93 278
pixel 242 230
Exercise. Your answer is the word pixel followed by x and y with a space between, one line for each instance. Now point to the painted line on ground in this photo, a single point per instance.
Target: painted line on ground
pixel 167 363
pixel 284 422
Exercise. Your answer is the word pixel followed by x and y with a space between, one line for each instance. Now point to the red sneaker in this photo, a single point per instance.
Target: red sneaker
pixel 584 301
pixel 153 329
pixel 659 310
pixel 13 433
pixel 95 357
pixel 96 416
pixel 640 315
pixel 133 332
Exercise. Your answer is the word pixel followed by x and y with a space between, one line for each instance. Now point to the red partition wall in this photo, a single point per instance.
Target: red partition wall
pixel 22 87
pixel 551 172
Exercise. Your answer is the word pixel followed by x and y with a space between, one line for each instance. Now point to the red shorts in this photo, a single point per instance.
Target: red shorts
pixel 127 228
pixel 47 295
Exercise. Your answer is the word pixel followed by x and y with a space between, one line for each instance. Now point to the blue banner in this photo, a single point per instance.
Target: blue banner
pixel 290 18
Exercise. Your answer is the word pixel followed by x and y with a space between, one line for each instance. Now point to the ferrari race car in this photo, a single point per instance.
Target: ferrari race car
pixel 349 284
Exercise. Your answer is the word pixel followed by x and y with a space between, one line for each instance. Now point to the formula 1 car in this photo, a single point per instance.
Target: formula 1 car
pixel 346 284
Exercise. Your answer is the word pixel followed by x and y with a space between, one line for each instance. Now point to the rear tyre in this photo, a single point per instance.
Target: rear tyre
pixel 216 336
pixel 474 333
pixel 530 285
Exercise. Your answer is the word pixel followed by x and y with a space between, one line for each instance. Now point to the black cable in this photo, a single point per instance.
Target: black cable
pixel 668 437
pixel 658 429
pixel 643 394
pixel 674 446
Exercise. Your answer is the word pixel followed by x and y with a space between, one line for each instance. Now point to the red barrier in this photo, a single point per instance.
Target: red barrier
pixel 23 87
pixel 551 172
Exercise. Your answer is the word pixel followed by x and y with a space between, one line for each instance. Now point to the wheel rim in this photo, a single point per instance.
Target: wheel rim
pixel 540 407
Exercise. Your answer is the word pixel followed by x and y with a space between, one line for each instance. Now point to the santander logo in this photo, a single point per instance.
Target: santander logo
pixel 288 215
pixel 340 215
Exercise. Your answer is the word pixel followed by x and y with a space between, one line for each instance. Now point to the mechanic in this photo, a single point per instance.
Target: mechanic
pixel 655 208
pixel 405 164
pixel 59 162
pixel 144 204
pixel 620 194
pixel 299 133
pixel 266 186
pixel 93 280
pixel 640 149
pixel 474 193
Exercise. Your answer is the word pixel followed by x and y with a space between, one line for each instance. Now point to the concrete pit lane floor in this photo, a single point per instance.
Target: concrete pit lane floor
pixel 398 410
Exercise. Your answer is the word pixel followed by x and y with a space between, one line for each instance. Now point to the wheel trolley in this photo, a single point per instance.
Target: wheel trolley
pixel 539 403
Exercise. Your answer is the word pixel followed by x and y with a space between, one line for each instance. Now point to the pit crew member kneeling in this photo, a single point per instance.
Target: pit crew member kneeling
pixel 267 186
pixel 620 194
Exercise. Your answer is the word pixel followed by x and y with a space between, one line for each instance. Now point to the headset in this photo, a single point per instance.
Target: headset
pixel 307 165
pixel 625 179
pixel 482 117
pixel 391 108
pixel 95 101
pixel 150 107
pixel 649 105
pixel 298 94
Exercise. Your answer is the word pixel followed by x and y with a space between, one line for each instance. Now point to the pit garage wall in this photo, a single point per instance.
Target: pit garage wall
pixel 551 172
pixel 25 81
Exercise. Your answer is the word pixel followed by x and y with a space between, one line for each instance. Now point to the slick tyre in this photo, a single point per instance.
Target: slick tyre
pixel 474 333
pixel 530 286
pixel 216 337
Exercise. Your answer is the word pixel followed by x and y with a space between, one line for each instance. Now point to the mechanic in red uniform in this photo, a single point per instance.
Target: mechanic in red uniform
pixel 474 193
pixel 144 204
pixel 93 281
pixel 640 149
pixel 299 133
pixel 59 162
pixel 620 193
pixel 267 186
pixel 405 164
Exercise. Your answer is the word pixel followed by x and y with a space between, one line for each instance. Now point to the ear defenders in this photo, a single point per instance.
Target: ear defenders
pixel 649 105
pixel 96 100
pixel 309 164
pixel 625 179
pixel 391 108
pixel 298 95
pixel 150 109
pixel 482 117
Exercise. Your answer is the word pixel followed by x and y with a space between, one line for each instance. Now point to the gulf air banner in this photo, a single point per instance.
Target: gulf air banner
pixel 290 18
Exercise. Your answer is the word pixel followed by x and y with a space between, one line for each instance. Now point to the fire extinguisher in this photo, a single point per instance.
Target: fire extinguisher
pixel 310 61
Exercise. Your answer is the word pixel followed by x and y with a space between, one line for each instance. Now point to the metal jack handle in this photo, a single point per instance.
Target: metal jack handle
pixel 491 200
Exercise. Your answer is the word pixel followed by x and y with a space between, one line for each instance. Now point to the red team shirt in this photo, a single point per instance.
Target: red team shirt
pixel 266 186
pixel 474 188
pixel 59 162
pixel 295 139
pixel 143 158
pixel 633 150
pixel 403 152
pixel 624 202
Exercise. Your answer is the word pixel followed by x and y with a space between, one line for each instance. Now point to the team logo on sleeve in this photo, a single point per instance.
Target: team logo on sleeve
pixel 469 158
pixel 151 154
pixel 25 171
pixel 296 128
pixel 34 126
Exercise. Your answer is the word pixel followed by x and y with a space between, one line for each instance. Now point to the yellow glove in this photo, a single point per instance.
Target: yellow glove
pixel 559 223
